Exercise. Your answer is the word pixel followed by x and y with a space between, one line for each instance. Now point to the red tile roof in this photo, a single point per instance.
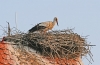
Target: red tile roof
pixel 6 58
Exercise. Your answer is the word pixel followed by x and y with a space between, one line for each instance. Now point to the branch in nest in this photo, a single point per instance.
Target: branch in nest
pixel 3 29
pixel 9 30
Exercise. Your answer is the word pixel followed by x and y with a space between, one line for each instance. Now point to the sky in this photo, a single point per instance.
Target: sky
pixel 83 15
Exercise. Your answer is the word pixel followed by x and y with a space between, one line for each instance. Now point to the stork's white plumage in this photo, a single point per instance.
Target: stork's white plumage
pixel 44 26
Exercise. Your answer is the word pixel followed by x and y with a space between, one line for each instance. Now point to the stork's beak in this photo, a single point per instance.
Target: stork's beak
pixel 57 23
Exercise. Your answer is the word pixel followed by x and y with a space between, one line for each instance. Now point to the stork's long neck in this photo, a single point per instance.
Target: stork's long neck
pixel 54 21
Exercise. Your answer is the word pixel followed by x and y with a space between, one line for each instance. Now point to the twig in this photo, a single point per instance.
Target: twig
pixel 9 30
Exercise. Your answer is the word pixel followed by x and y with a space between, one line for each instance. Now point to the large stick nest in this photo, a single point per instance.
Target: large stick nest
pixel 61 44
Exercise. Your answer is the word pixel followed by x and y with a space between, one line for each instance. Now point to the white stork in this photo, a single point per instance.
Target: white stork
pixel 44 26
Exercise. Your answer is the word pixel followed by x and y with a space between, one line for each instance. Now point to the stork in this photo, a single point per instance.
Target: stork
pixel 44 26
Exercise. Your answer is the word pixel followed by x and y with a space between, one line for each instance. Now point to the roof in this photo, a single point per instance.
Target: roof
pixel 6 56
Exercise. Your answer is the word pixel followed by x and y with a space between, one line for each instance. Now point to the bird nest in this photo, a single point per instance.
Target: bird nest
pixel 60 43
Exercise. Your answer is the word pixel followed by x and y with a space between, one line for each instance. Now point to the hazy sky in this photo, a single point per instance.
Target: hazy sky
pixel 84 15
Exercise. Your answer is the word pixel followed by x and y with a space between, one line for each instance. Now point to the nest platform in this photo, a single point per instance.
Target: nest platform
pixel 60 43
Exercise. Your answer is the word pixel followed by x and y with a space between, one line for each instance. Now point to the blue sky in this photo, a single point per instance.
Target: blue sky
pixel 83 15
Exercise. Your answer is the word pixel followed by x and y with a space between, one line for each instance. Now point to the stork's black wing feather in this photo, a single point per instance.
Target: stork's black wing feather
pixel 36 28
